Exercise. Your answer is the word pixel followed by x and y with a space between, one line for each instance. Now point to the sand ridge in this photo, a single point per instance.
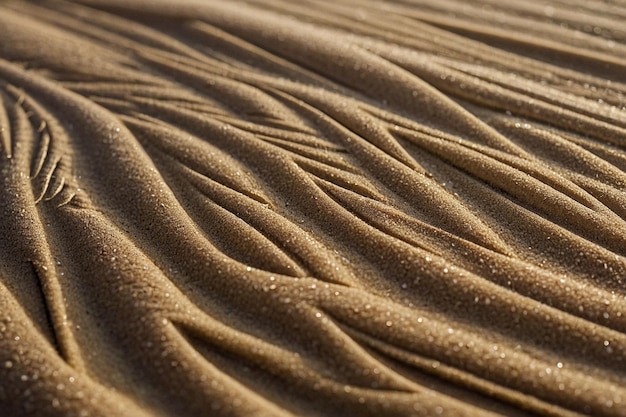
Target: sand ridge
pixel 275 208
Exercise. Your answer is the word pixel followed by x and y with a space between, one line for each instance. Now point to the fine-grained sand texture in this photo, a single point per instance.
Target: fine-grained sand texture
pixel 320 208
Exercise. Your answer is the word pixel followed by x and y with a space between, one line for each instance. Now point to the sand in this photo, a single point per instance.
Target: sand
pixel 320 208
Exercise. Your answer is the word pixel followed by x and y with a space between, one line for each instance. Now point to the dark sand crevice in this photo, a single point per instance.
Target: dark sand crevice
pixel 276 208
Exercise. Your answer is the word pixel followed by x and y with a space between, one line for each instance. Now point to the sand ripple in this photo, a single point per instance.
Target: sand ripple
pixel 346 208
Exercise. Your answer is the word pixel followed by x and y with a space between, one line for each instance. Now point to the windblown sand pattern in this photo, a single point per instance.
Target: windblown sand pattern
pixel 321 208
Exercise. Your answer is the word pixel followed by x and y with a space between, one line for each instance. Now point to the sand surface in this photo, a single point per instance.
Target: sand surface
pixel 321 208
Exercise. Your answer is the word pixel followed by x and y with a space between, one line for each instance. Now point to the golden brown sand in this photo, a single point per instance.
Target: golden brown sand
pixel 321 208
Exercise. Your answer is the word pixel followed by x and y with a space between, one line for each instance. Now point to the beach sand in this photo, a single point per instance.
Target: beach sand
pixel 320 208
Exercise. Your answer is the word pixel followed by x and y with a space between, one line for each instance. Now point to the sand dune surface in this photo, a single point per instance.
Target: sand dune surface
pixel 316 208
